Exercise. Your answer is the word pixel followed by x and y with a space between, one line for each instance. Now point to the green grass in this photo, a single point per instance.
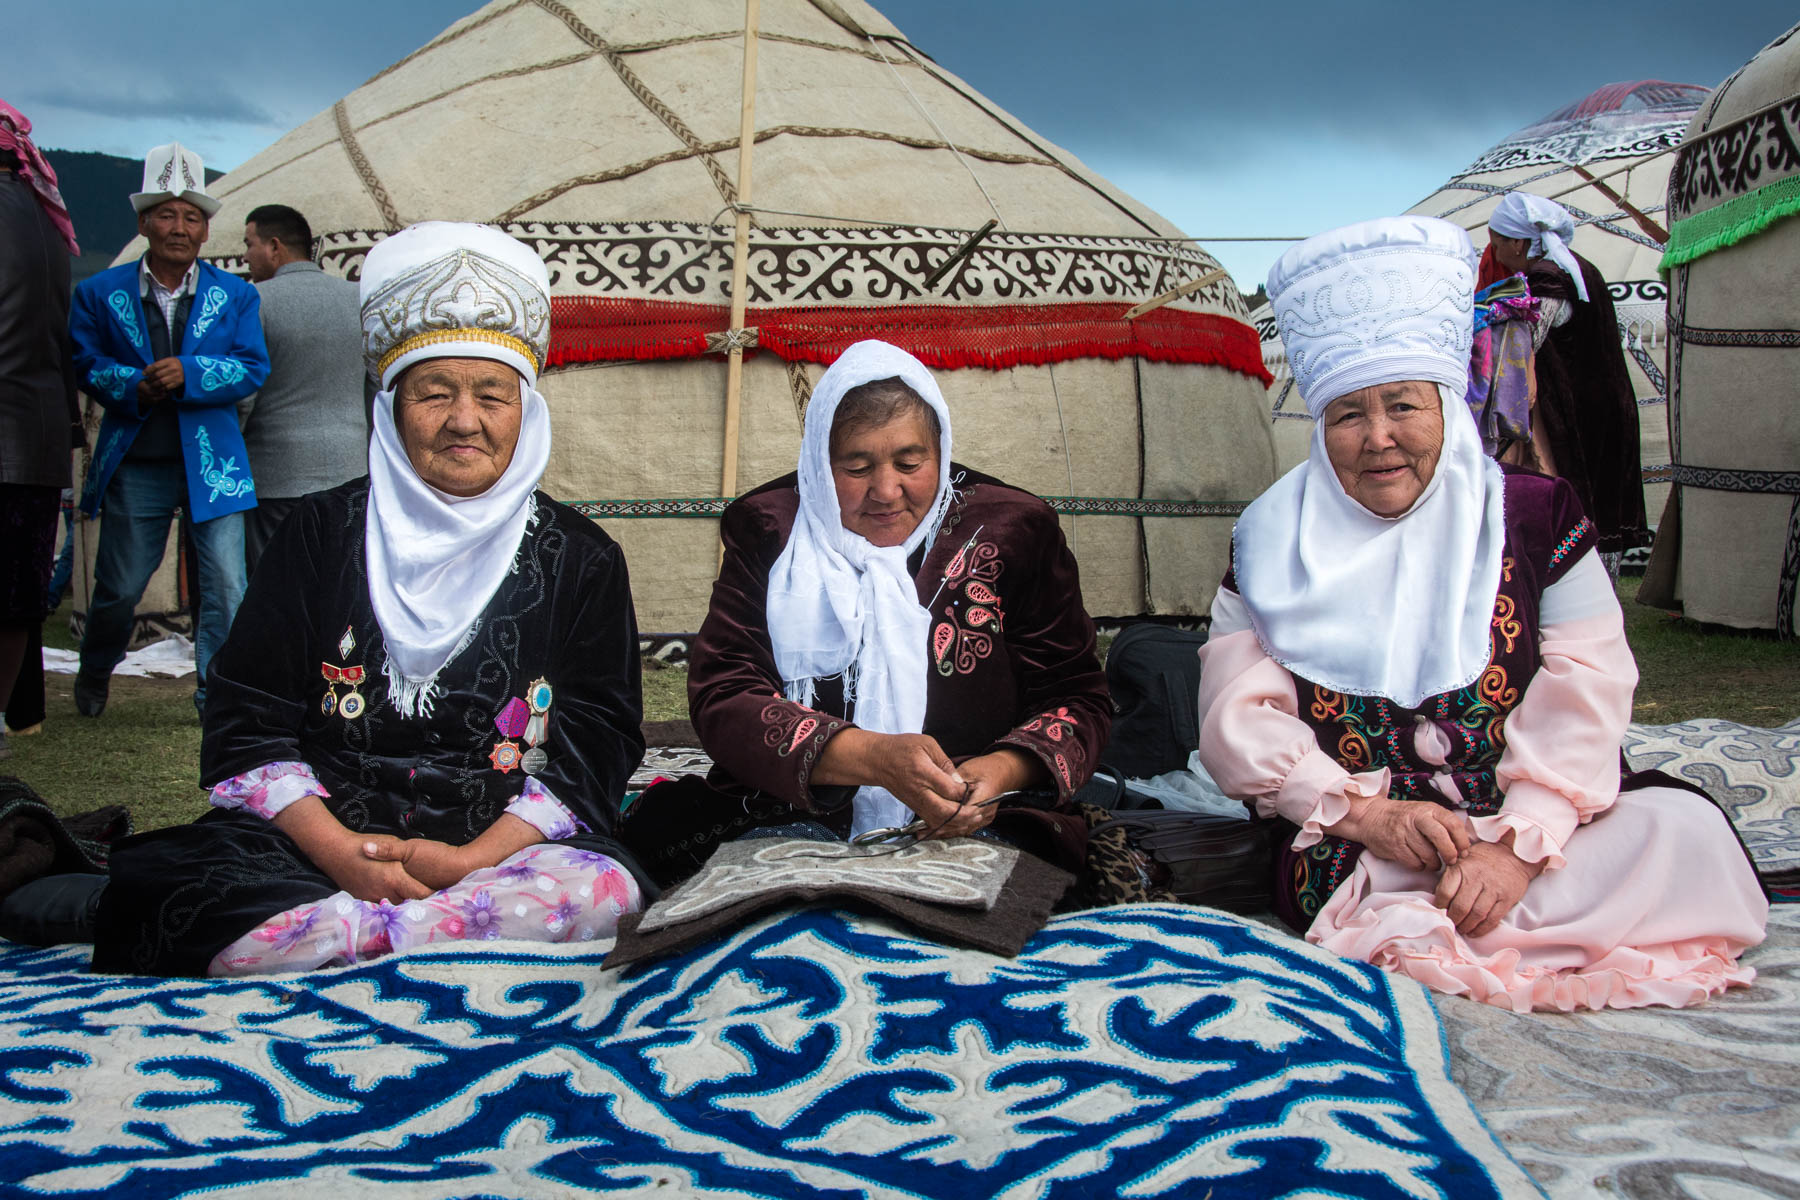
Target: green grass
pixel 1687 670
pixel 665 691
pixel 144 752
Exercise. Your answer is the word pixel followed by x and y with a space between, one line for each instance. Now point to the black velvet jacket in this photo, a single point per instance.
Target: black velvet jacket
pixel 563 615
pixel 180 895
pixel 1585 399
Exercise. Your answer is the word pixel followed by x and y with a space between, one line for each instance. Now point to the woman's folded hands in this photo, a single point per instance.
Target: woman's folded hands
pixel 1483 886
pixel 1481 881
pixel 1417 835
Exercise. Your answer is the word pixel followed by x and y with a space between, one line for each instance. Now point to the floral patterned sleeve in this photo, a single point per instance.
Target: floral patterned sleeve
pixel 268 789
pixel 538 807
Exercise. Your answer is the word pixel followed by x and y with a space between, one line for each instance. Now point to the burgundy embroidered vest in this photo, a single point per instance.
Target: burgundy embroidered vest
pixel 1545 533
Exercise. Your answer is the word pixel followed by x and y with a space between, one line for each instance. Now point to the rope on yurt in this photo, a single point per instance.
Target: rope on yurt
pixel 649 99
pixel 1068 463
pixel 365 171
pixel 939 130
pixel 800 384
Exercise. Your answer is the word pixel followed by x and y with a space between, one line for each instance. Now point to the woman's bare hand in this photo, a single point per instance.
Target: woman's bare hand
pixel 1486 884
pixel 910 765
pixel 437 865
pixel 988 775
pixel 368 878
pixel 338 852
pixel 1410 833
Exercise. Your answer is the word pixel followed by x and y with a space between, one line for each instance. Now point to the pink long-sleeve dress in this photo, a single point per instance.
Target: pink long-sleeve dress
pixel 1646 896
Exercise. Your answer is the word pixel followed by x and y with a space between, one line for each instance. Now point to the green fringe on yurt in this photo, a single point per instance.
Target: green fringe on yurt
pixel 1731 222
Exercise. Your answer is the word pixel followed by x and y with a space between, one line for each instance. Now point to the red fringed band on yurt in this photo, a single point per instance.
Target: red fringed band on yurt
pixel 602 328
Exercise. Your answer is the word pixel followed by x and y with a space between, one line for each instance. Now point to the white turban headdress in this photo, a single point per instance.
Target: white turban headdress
pixel 447 290
pixel 1360 603
pixel 1547 224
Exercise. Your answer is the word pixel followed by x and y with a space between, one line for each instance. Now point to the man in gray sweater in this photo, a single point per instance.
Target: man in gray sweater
pixel 307 429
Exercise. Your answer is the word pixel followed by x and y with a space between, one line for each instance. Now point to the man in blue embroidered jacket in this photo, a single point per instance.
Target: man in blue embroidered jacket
pixel 168 345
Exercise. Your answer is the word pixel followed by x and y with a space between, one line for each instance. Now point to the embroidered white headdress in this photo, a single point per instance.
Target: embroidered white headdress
pixel 1549 226
pixel 173 172
pixel 1360 603
pixel 444 290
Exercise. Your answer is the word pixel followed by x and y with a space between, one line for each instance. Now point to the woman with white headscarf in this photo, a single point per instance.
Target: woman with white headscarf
pixel 1418 663
pixel 892 636
pixel 1584 418
pixel 422 723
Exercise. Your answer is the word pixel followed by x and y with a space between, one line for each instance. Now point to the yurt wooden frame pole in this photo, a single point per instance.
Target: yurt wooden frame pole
pixel 740 255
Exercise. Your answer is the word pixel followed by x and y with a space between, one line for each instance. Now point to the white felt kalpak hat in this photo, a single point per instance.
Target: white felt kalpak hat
pixel 173 172
pixel 1375 302
pixel 444 289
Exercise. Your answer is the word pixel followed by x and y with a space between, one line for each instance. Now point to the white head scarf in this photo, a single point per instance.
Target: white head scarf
pixel 443 290
pixel 840 605
pixel 1548 225
pixel 1362 604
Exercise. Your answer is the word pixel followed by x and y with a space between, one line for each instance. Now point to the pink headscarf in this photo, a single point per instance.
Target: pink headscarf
pixel 15 129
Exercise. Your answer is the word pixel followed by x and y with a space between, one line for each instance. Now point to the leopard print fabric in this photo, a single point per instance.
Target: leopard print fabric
pixel 1116 872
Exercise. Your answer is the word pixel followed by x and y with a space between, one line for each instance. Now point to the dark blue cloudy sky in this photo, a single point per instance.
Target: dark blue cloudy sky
pixel 1245 119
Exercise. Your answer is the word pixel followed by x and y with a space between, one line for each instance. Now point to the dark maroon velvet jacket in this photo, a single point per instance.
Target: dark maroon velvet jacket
pixel 1589 409
pixel 1011 654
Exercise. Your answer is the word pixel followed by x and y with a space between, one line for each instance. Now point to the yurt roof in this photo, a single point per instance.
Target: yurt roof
pixel 605 133
pixel 1769 78
pixel 1605 158
pixel 540 113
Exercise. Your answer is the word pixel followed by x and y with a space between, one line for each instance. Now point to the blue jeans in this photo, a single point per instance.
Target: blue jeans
pixel 65 558
pixel 140 502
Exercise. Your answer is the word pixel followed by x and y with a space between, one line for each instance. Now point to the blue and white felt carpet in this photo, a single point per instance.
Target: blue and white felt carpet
pixel 1144 1051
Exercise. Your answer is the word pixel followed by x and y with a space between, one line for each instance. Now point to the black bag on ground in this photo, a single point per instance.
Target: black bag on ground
pixel 1201 858
pixel 1154 673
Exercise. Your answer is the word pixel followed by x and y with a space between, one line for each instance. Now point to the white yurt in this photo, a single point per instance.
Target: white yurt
pixel 1606 158
pixel 1729 548
pixel 885 198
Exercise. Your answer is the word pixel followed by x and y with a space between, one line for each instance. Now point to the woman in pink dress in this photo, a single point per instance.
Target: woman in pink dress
pixel 1419 663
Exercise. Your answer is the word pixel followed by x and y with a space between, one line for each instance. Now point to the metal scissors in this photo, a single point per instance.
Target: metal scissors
pixel 912 829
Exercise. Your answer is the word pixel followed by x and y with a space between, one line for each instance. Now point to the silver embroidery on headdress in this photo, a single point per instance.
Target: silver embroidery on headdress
pixel 462 293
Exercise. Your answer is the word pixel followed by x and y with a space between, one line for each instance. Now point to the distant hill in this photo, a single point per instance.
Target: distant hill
pixel 97 188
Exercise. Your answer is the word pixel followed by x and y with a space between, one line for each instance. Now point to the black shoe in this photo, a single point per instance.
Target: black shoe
pixel 90 693
pixel 53 910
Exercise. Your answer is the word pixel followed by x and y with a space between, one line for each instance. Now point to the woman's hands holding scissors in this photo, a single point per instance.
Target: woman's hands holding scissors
pixel 952 801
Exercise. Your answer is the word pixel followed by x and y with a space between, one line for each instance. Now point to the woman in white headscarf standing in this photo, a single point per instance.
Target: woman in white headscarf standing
pixel 422 723
pixel 892 636
pixel 1584 418
pixel 1418 663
